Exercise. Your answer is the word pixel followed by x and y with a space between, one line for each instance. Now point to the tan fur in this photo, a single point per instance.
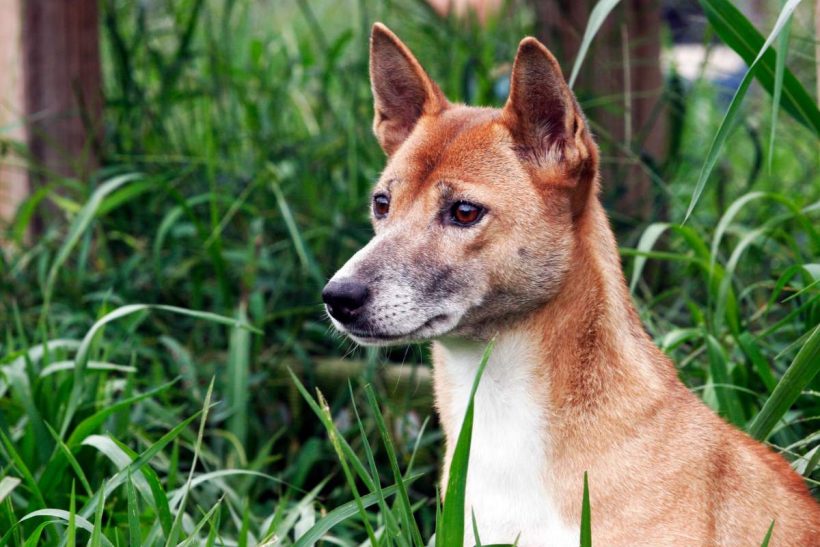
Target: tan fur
pixel 663 468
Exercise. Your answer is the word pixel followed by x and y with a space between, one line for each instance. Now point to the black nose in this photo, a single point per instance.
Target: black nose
pixel 344 299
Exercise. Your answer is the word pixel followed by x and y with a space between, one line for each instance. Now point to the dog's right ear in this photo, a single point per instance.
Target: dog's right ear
pixel 402 91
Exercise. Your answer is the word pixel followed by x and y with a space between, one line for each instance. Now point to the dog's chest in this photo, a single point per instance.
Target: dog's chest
pixel 506 479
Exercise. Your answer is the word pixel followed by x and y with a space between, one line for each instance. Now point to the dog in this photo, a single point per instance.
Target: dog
pixel 488 224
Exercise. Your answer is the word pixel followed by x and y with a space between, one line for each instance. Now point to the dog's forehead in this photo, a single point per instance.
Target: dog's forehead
pixel 461 141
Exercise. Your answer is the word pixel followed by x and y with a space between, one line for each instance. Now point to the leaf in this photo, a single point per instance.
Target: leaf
pixel 302 250
pixel 60 366
pixel 801 371
pixel 748 345
pixel 84 352
pixel 134 535
pixel 96 535
pixel 648 238
pixel 451 531
pixel 238 377
pixel 361 471
pixel 768 535
pixel 193 536
pixel 780 66
pixel 111 450
pixel 343 513
pixel 729 118
pixel 63 515
pixel 121 476
pixel 175 496
pixel 476 535
pixel 22 469
pixel 719 369
pixel 740 34
pixel 77 229
pixel 391 525
pixel 71 460
pixel 586 516
pixel 409 520
pixel 596 19
pixel 177 526
pixel 7 485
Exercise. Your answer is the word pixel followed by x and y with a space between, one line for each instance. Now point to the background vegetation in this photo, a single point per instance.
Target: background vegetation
pixel 237 163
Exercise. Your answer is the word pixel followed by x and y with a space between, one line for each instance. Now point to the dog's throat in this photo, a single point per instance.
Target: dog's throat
pixel 509 469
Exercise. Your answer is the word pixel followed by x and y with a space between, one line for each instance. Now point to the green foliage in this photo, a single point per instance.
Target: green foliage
pixel 237 163
pixel 734 106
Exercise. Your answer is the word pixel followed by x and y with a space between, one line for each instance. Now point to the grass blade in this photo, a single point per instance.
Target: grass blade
pixel 475 530
pixel 361 471
pixel 238 377
pixel 801 371
pixel 345 512
pixel 78 228
pixel 177 526
pixel 390 520
pixel 586 516
pixel 343 451
pixel 72 519
pixel 740 34
pixel 779 69
pixel 719 368
pixel 729 119
pixel 17 461
pixel 134 534
pixel 7 486
pixel 410 524
pixel 84 351
pixel 60 514
pixel 768 536
pixel 596 19
pixel 451 531
pixel 97 535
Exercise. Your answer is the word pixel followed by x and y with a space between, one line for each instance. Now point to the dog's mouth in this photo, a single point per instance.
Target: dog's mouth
pixel 425 331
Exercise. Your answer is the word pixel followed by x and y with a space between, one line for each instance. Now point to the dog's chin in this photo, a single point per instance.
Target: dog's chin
pixel 438 325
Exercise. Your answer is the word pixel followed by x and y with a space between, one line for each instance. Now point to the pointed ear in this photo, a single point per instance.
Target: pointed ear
pixel 546 122
pixel 402 91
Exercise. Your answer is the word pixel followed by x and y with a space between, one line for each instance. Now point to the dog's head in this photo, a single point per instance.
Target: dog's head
pixel 475 212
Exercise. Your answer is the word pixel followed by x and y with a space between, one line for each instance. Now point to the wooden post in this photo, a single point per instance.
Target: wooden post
pixel 60 85
pixel 13 180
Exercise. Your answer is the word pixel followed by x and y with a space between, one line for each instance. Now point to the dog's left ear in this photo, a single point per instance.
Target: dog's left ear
pixel 546 122
pixel 402 91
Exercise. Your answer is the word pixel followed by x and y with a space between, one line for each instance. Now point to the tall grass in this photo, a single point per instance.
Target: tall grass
pixel 148 333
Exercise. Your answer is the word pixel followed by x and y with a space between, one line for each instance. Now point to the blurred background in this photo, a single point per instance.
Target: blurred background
pixel 217 156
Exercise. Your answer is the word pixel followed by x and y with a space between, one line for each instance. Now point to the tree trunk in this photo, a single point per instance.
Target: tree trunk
pixel 50 93
pixel 63 94
pixel 621 89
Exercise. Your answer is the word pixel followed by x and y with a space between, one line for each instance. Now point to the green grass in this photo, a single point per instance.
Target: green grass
pixel 161 338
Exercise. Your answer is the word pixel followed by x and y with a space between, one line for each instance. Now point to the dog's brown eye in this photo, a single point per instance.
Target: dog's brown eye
pixel 381 205
pixel 466 214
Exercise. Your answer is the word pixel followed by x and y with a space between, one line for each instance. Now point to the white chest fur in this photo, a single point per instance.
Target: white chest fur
pixel 506 480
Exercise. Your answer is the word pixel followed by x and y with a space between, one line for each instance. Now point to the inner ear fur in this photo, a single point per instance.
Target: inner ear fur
pixel 546 123
pixel 402 90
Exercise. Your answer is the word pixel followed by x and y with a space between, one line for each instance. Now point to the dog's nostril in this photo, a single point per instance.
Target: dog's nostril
pixel 344 298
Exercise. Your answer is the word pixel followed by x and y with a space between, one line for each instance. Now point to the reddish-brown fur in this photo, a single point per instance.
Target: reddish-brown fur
pixel 663 468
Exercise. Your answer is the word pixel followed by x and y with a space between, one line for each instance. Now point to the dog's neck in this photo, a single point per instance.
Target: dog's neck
pixel 583 357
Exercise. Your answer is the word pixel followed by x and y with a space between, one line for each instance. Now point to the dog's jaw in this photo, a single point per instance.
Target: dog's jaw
pixel 436 326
